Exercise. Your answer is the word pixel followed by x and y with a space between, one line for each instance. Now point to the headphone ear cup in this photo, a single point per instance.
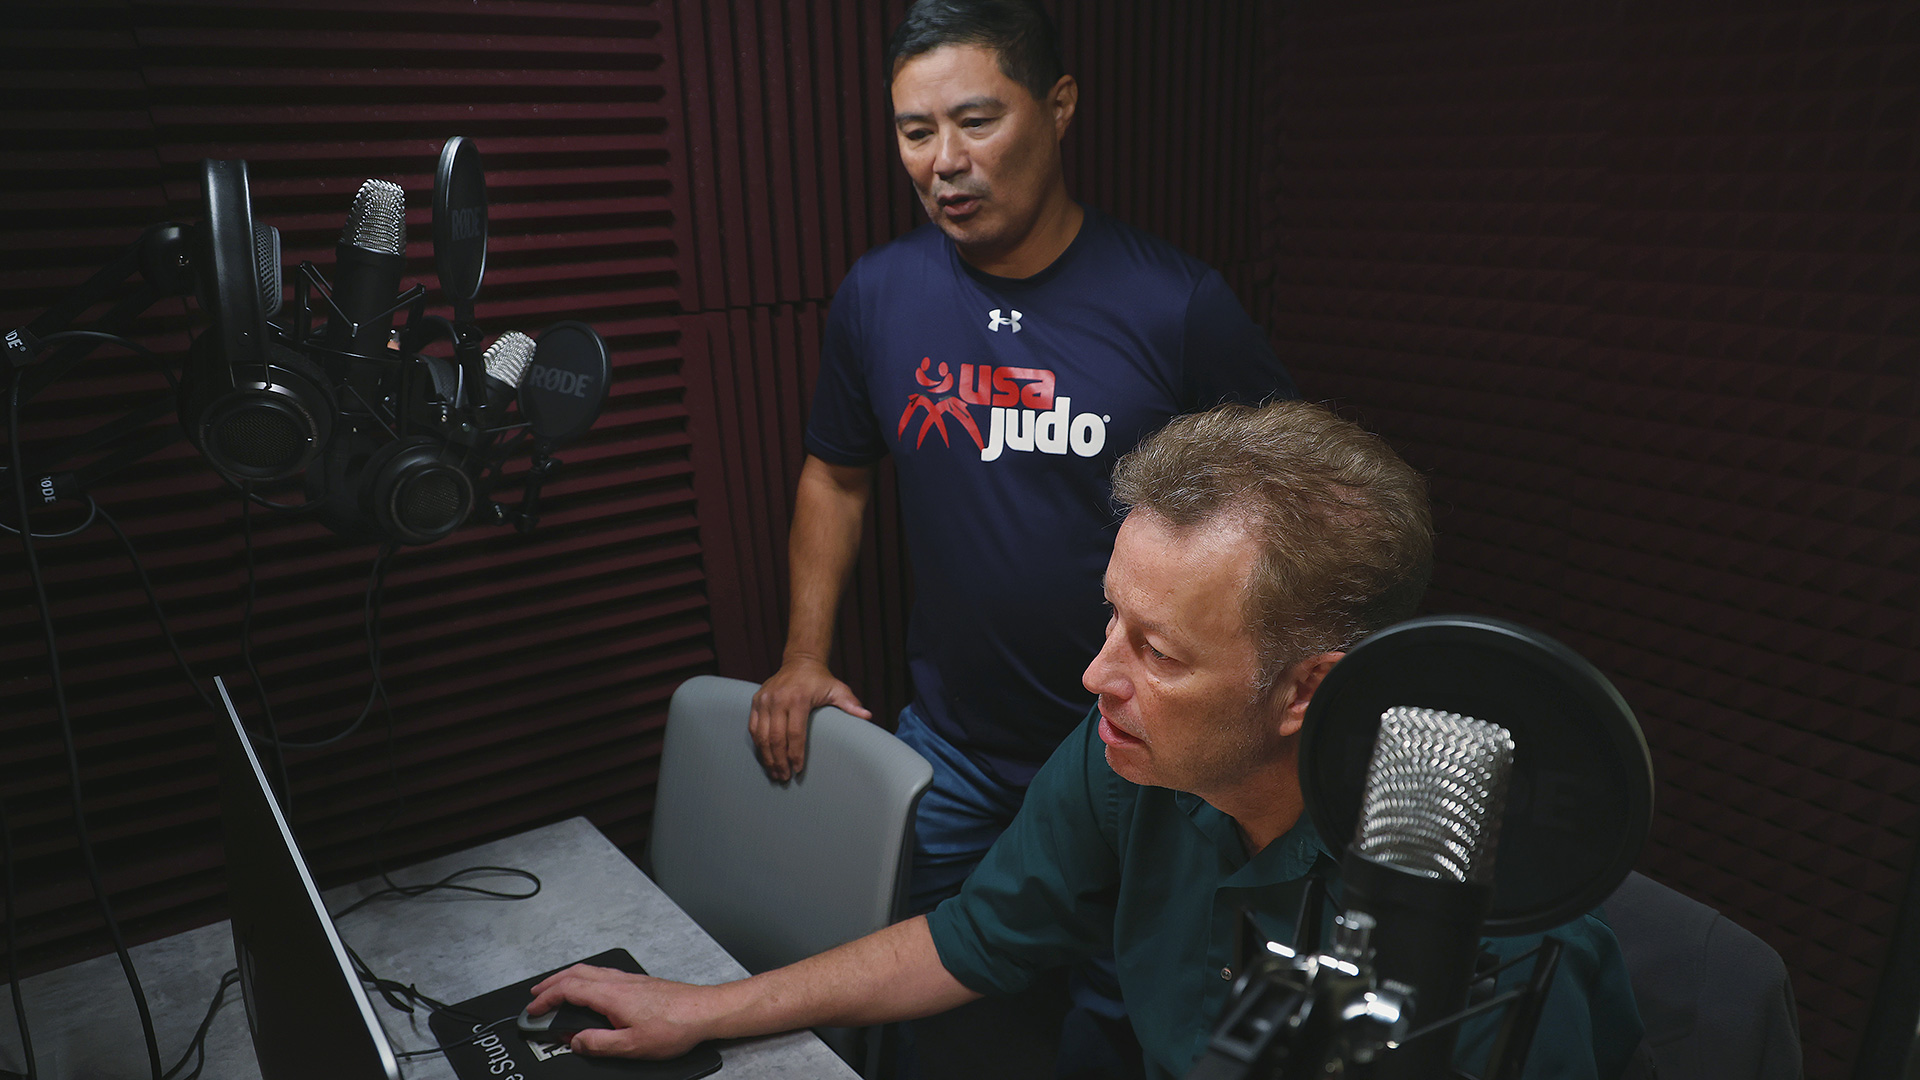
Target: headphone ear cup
pixel 264 428
pixel 415 491
pixel 334 483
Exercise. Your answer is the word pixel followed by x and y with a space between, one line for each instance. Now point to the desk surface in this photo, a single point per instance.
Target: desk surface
pixel 452 945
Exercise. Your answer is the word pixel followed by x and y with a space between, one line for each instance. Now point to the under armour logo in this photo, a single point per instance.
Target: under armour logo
pixel 995 322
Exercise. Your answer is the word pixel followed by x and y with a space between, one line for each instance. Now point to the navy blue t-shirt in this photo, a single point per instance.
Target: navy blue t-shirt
pixel 1004 403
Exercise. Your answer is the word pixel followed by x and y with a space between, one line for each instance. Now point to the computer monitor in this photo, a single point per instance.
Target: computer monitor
pixel 306 1011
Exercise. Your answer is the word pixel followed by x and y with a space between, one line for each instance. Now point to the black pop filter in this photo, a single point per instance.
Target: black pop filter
pixel 1580 799
pixel 566 383
pixel 460 221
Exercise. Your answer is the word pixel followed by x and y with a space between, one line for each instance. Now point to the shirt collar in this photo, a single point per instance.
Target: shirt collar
pixel 1288 858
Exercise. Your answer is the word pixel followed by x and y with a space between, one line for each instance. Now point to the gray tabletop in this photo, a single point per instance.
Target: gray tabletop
pixel 452 945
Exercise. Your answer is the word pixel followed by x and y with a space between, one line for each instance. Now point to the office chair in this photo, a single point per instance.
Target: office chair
pixel 778 872
pixel 1714 998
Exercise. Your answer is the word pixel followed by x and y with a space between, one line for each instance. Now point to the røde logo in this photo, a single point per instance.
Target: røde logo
pixel 995 322
pixel 468 222
pixel 46 489
pixel 558 381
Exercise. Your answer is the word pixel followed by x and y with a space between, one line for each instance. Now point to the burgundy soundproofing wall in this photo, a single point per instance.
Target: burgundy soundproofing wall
pixel 1632 283
pixel 1636 284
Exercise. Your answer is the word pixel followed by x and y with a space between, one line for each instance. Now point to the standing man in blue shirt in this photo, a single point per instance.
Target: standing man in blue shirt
pixel 1260 544
pixel 1004 355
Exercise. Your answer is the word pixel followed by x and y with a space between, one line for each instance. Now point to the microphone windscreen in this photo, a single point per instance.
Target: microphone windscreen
pixel 377 220
pixel 1435 794
pixel 507 357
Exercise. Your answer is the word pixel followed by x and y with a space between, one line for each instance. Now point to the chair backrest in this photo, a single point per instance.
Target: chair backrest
pixel 1714 998
pixel 778 872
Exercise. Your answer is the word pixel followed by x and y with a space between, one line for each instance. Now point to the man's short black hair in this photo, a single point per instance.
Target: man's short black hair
pixel 1018 31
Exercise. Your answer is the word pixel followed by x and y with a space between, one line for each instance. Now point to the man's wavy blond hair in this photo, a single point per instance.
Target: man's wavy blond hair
pixel 1345 536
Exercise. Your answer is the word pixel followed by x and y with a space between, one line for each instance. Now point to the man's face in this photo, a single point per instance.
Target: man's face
pixel 1178 676
pixel 983 154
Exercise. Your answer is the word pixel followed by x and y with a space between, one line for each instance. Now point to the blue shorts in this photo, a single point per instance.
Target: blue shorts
pixel 963 812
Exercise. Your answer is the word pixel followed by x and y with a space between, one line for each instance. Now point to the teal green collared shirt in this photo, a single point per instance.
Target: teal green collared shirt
pixel 1162 876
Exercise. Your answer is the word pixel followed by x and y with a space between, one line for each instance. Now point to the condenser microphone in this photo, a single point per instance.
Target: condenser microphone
pixel 368 262
pixel 1421 865
pixel 506 361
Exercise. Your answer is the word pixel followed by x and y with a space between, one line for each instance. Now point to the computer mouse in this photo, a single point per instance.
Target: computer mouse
pixel 561 1023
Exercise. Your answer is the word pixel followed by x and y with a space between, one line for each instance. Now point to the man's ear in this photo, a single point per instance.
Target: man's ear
pixel 1063 99
pixel 1300 683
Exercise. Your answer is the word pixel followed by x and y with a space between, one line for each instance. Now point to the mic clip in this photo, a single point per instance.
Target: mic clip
pixel 469 354
pixel 308 280
pixel 526 517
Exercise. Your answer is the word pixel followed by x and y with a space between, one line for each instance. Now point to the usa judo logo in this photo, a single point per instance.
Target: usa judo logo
pixel 938 407
pixel 1023 412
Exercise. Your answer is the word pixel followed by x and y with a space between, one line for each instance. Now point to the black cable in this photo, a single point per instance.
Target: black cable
pixel 246 492
pixel 485 1028
pixel 198 1046
pixel 404 994
pixel 376 594
pixel 409 891
pixel 253 672
pixel 13 951
pixel 93 510
pixel 401 995
pixel 40 345
pixel 66 732
pixel 153 602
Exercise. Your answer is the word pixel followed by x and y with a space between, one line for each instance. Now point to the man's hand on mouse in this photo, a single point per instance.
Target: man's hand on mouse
pixel 652 1015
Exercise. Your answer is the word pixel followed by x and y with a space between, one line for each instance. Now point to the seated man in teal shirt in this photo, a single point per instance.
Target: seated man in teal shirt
pixel 1258 545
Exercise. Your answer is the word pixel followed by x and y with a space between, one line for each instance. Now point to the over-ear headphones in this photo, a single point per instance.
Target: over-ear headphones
pixel 258 410
pixel 269 424
pixel 408 491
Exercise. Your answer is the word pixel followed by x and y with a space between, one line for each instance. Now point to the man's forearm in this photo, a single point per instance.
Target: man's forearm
pixel 829 505
pixel 893 974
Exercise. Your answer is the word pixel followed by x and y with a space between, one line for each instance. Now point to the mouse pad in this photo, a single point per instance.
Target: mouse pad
pixel 504 1052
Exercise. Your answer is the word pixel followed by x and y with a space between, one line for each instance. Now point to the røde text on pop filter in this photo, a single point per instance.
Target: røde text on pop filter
pixel 565 384
pixel 460 223
pixel 1580 799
